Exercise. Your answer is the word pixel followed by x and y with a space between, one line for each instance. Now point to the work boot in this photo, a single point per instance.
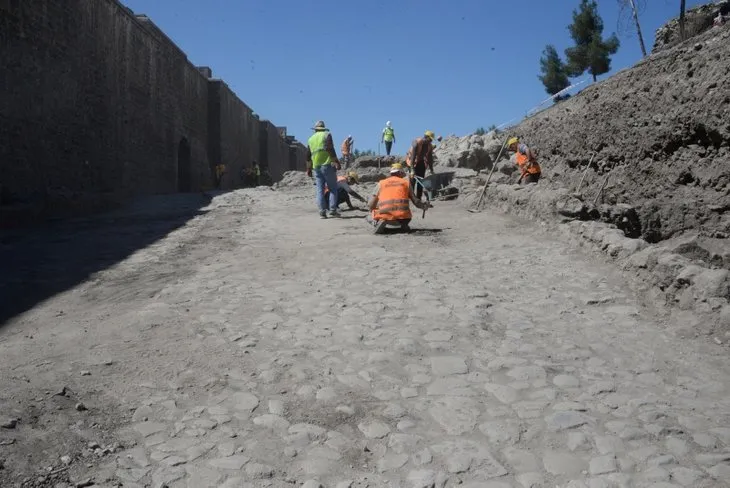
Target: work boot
pixel 379 226
pixel 334 213
pixel 323 214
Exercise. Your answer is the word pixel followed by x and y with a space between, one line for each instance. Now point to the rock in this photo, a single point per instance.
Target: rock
pixel 312 484
pixel 603 465
pixel 374 430
pixel 231 463
pixel 558 464
pixel 566 381
pixel 566 420
pixel 391 461
pixel 686 476
pixel 9 423
pixel 576 440
pixel 448 365
pixel 422 457
pixel 259 471
pixel 456 415
pixel 570 206
pixel 85 373
pixel 81 407
pixel 66 460
pixel 422 478
pixel 244 401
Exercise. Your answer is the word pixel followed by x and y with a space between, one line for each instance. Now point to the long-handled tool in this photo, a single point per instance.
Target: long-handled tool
pixel 585 173
pixel 600 190
pixel 494 165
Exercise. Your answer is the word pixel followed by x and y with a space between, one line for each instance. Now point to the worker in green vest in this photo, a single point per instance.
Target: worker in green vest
pixel 323 162
pixel 388 137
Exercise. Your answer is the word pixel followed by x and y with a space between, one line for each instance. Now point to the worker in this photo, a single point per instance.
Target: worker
pixel 388 137
pixel 390 203
pixel 346 150
pixel 344 190
pixel 220 170
pixel 526 160
pixel 256 173
pixel 322 161
pixel 421 157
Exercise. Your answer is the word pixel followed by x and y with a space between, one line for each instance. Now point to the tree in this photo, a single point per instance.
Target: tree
pixel 591 52
pixel 553 71
pixel 682 8
pixel 634 6
pixel 480 131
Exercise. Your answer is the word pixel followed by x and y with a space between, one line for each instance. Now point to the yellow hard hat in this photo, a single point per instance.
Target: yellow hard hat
pixel 513 140
pixel 396 168
pixel 430 134
pixel 353 175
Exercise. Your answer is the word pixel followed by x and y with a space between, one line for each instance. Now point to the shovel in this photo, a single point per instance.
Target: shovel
pixel 494 165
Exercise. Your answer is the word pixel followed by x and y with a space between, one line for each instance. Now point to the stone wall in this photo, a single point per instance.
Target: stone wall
pixel 98 102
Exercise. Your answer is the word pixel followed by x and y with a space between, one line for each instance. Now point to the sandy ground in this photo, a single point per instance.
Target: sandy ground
pixel 257 345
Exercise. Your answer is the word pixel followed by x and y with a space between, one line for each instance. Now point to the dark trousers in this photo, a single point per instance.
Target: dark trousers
pixel 342 197
pixel 531 178
pixel 388 146
pixel 420 171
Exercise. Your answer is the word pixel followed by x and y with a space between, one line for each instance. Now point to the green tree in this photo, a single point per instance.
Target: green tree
pixel 480 131
pixel 553 75
pixel 591 52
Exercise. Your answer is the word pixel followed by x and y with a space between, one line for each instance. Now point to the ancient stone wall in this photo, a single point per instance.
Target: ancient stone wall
pixel 95 100
pixel 274 154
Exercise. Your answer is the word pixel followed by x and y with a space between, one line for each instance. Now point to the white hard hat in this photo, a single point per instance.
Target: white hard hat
pixel 387 124
pixel 350 136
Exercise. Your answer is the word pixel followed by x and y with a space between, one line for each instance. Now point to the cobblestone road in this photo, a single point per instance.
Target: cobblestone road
pixel 260 346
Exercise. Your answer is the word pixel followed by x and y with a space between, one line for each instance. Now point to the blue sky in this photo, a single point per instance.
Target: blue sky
pixel 445 66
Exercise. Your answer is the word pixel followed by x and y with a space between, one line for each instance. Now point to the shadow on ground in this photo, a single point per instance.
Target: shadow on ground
pixel 37 263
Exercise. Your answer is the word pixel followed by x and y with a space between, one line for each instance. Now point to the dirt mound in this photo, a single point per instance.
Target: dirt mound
pixel 377 161
pixel 293 179
pixel 697 20
pixel 473 151
pixel 661 135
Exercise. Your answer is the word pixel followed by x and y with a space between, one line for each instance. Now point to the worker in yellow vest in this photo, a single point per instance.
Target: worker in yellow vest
pixel 388 137
pixel 390 203
pixel 322 161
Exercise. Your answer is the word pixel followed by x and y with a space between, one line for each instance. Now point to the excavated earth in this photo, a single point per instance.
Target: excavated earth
pixel 662 131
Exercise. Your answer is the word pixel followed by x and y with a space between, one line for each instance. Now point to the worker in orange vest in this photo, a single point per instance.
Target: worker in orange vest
pixel 346 150
pixel 390 203
pixel 344 190
pixel 526 160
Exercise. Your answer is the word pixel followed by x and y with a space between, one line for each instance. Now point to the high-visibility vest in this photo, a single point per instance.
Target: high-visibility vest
pixel 522 160
pixel 393 199
pixel 388 134
pixel 320 155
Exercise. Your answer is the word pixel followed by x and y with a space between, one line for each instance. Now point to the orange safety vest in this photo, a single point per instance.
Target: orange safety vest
pixel 339 180
pixel 393 199
pixel 522 160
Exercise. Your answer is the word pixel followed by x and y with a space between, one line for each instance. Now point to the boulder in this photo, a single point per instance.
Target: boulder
pixel 476 152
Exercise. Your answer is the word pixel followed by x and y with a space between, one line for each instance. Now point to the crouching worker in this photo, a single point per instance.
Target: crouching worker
pixel 390 203
pixel 344 190
pixel 526 160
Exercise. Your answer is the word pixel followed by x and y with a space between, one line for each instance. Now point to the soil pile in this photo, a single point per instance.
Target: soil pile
pixel 660 132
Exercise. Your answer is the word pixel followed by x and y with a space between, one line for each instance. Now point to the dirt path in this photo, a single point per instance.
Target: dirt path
pixel 261 346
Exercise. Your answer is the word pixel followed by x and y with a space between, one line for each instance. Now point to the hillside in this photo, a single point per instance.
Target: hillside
pixel 661 129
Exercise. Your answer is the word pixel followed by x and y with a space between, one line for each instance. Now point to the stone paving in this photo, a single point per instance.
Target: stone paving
pixel 296 351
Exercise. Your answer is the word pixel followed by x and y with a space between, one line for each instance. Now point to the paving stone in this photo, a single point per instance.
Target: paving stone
pixel 504 394
pixel 566 420
pixel 244 401
pixel 663 460
pixel 457 415
pixel 562 464
pixel 231 462
pixel 259 471
pixel 530 480
pixel 609 445
pixel 501 433
pixel 655 474
pixel 712 458
pixel 603 464
pixel 391 461
pixel 276 407
pixel 271 421
pixel 720 472
pixel 686 476
pixel 421 478
pixel 327 394
pixel 576 440
pixel 422 457
pixel 458 463
pixel 409 392
pixel 448 365
pixel 438 336
pixel 312 484
pixel 521 460
pixel 705 440
pixel 677 447
pixel 401 443
pixel 146 429
pixel 566 381
pixel 374 430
